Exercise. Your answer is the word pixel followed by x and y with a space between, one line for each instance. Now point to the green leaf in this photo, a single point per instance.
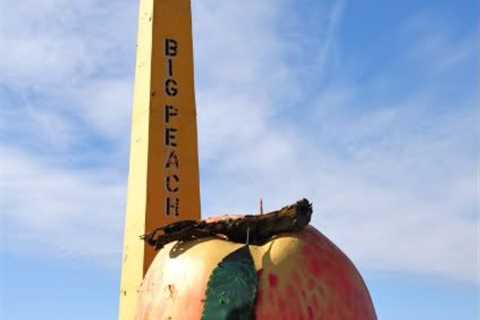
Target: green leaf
pixel 232 288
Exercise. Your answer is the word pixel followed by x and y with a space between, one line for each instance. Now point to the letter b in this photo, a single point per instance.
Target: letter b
pixel 171 47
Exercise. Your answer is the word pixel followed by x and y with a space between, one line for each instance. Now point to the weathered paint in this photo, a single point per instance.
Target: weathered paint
pixel 301 276
pixel 163 183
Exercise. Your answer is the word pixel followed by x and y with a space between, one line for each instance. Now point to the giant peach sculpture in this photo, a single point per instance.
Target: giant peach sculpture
pixel 294 275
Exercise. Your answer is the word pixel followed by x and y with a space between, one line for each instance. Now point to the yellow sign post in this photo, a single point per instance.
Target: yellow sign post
pixel 163 183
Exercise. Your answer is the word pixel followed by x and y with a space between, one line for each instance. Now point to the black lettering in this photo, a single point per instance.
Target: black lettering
pixel 169 183
pixel 170 137
pixel 170 111
pixel 171 47
pixel 172 205
pixel 172 160
pixel 170 68
pixel 171 87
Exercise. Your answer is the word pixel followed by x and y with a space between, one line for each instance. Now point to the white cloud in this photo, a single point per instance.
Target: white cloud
pixel 106 105
pixel 392 180
pixel 77 56
pixel 438 44
pixel 77 213
pixel 57 42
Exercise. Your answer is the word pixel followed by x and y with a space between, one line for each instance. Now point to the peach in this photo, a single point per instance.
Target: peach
pixel 300 276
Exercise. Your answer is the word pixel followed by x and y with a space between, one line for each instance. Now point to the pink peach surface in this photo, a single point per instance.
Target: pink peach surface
pixel 301 276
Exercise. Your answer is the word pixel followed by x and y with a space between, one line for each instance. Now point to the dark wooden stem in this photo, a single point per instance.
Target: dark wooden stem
pixel 258 228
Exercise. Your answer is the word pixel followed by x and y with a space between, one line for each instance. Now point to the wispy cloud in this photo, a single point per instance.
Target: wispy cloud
pixel 390 170
pixel 74 213
pixel 392 178
pixel 438 45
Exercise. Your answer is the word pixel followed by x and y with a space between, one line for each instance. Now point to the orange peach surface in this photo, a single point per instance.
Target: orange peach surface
pixel 301 276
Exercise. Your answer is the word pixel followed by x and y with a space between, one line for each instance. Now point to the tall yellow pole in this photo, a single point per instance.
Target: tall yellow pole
pixel 163 183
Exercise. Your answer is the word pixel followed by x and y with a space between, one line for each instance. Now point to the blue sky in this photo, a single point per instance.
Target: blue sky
pixel 367 108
